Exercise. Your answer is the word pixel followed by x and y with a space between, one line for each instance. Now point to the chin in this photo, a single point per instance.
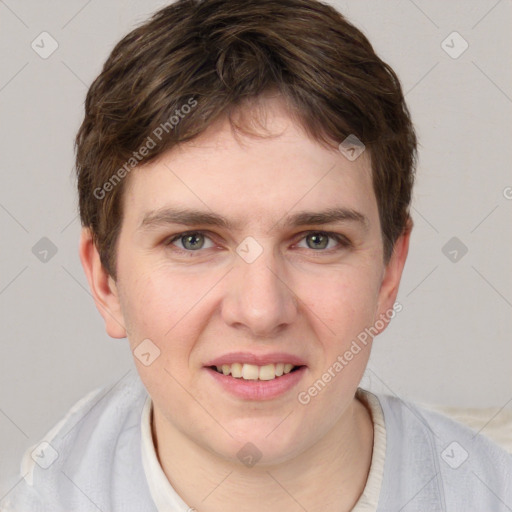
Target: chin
pixel 260 443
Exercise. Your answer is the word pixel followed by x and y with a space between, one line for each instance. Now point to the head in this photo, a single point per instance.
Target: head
pixel 237 110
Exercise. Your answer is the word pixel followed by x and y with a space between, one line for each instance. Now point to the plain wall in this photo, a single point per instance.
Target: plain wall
pixel 451 342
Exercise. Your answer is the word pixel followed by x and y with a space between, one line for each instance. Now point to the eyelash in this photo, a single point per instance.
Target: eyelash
pixel 343 241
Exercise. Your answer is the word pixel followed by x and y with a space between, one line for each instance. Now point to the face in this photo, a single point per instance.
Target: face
pixel 278 282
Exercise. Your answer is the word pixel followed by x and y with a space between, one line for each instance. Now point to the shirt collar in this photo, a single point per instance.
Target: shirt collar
pixel 165 497
pixel 168 500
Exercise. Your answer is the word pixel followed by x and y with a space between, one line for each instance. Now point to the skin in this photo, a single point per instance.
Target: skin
pixel 293 298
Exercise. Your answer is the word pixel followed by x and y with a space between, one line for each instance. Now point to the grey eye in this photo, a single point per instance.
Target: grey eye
pixel 193 241
pixel 318 240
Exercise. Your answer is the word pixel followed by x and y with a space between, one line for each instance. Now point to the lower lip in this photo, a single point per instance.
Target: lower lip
pixel 258 389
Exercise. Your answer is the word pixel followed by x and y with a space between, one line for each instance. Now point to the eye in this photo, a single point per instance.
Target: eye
pixel 319 240
pixel 190 241
pixel 194 241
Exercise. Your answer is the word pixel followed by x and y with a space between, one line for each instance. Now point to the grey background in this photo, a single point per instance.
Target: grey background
pixel 451 343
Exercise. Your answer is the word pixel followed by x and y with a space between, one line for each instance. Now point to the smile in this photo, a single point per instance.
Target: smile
pixel 253 372
pixel 252 382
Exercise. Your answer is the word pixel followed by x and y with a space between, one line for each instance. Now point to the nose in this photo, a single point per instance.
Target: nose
pixel 258 298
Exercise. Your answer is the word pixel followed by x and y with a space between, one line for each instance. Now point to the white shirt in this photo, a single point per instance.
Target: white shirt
pixel 101 456
pixel 167 499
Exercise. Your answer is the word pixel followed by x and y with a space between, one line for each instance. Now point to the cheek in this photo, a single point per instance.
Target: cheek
pixel 159 309
pixel 162 306
pixel 344 300
pixel 148 307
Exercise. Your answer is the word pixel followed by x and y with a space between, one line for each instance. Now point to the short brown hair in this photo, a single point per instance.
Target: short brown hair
pixel 218 55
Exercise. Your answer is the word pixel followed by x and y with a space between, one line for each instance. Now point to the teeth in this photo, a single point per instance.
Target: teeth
pixel 267 372
pixel 254 372
pixel 250 372
pixel 288 368
pixel 236 370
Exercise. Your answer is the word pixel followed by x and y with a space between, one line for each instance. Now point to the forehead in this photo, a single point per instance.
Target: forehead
pixel 250 178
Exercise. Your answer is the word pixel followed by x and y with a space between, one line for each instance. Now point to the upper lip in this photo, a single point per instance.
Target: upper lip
pixel 256 359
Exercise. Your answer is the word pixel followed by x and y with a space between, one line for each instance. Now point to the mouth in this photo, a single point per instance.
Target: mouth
pixel 253 376
pixel 254 372
pixel 252 382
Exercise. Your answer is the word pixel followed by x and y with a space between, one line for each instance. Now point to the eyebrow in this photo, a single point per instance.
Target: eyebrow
pixel 190 217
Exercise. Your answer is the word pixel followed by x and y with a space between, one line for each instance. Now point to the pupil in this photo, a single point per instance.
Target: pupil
pixel 189 241
pixel 315 237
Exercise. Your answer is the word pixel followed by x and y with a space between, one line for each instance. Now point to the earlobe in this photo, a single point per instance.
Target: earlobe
pixel 103 287
pixel 393 272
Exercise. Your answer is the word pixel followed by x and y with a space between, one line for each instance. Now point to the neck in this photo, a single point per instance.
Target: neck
pixel 330 475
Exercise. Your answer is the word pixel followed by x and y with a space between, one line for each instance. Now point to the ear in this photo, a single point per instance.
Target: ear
pixel 393 273
pixel 102 285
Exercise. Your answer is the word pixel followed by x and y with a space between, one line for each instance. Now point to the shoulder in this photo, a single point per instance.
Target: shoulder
pixel 92 452
pixel 449 465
